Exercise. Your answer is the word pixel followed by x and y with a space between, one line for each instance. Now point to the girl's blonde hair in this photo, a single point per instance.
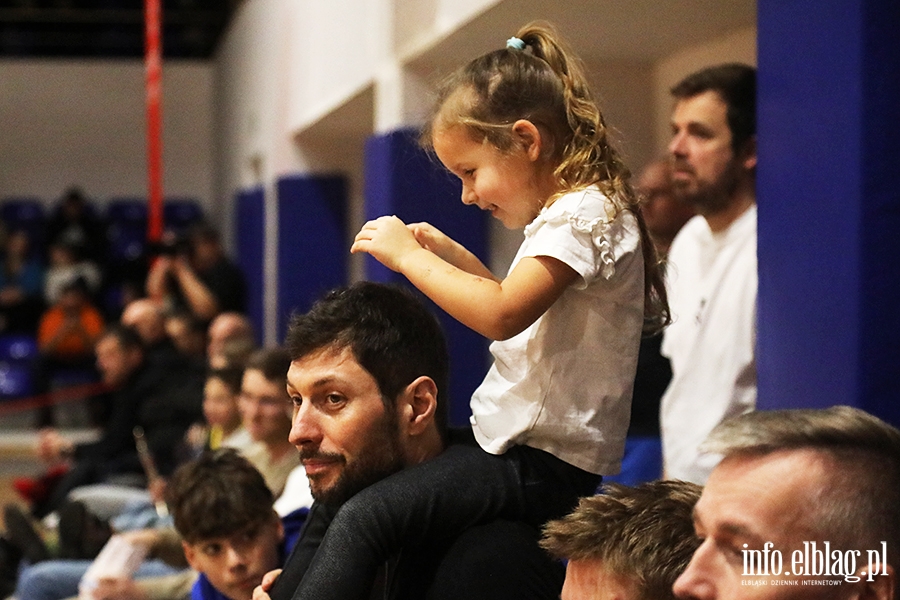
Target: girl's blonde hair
pixel 545 84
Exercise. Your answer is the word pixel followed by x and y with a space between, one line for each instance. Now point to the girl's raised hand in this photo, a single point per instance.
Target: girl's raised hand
pixel 387 239
pixel 434 240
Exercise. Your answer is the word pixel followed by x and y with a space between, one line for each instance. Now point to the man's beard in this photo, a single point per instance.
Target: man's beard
pixel 712 197
pixel 378 458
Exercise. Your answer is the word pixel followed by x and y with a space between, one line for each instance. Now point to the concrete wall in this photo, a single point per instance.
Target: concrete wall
pixel 83 123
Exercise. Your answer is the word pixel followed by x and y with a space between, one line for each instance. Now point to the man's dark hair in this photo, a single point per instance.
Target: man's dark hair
pixel 272 362
pixel 231 376
pixel 391 333
pixel 736 84
pixel 127 337
pixel 218 495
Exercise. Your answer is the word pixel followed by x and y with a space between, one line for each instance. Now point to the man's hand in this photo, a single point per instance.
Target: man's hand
pixel 262 590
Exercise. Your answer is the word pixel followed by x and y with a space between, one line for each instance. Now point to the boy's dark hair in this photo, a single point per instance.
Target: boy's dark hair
pixel 272 362
pixel 736 84
pixel 218 495
pixel 391 333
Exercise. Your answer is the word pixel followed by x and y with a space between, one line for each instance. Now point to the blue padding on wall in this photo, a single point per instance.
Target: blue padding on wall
pixel 403 180
pixel 312 241
pixel 829 210
pixel 249 236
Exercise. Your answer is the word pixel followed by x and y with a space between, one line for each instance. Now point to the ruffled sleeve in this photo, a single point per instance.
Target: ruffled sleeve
pixel 585 231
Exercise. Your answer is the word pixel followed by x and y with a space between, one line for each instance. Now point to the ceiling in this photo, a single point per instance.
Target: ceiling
pixel 108 28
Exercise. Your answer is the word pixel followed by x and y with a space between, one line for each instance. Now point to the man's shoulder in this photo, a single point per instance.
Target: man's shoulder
pixel 498 560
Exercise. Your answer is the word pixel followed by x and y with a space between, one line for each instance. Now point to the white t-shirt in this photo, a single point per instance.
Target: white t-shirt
pixel 711 342
pixel 564 384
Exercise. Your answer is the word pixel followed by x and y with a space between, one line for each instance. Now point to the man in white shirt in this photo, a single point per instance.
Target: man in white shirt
pixel 711 273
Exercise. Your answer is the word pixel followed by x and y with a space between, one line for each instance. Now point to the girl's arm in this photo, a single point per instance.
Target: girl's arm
pixel 496 309
pixel 433 239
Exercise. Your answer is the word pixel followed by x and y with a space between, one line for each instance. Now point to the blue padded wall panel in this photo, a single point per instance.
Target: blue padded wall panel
pixel 403 180
pixel 312 241
pixel 249 236
pixel 828 204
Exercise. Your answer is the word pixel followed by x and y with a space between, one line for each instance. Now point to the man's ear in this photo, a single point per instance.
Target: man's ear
pixel 747 155
pixel 417 404
pixel 528 137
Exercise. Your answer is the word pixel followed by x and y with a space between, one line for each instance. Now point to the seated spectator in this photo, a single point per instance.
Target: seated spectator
pixel 229 340
pixel 264 406
pixel 198 277
pixel 213 500
pixel 66 336
pixel 74 224
pixel 21 285
pixel 147 317
pixel 221 409
pixel 71 327
pixel 626 543
pixel 188 334
pixel 798 484
pixel 664 213
pixel 163 402
pixel 66 264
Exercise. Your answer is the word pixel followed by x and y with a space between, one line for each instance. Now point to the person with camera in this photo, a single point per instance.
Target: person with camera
pixel 196 275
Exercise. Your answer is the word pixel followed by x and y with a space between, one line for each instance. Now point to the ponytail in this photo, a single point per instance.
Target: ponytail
pixel 539 78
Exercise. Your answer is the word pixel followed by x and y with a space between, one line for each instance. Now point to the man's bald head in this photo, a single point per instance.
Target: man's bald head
pixel 146 317
pixel 228 328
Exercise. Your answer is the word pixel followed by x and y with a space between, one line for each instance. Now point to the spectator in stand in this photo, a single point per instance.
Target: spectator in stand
pixel 69 329
pixel 67 334
pixel 664 213
pixel 164 402
pixel 74 224
pixel 628 543
pixel 198 277
pixel 265 411
pixel 187 333
pixel 66 263
pixel 21 285
pixel 222 411
pixel 230 339
pixel 712 269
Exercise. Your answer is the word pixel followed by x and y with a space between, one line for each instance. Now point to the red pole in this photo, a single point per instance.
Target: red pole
pixel 153 64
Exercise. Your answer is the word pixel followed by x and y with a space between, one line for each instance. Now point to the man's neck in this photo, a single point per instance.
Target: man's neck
pixel 424 447
pixel 743 198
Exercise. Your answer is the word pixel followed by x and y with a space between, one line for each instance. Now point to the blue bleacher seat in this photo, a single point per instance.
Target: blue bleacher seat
pixel 16 348
pixel 127 229
pixel 17 355
pixel 15 380
pixel 127 210
pixel 28 214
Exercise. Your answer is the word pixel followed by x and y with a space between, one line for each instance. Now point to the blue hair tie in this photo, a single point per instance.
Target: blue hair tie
pixel 515 43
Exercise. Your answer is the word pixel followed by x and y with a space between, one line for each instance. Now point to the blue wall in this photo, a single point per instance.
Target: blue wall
pixel 403 180
pixel 249 239
pixel 829 206
pixel 312 241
